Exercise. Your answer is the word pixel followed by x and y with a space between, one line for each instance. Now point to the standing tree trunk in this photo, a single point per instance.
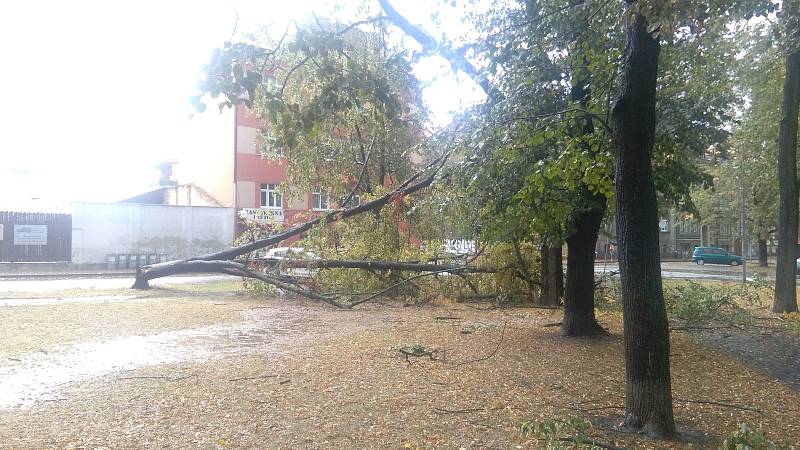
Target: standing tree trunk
pixel 558 261
pixel 551 276
pixel 648 391
pixel 763 260
pixel 785 282
pixel 579 318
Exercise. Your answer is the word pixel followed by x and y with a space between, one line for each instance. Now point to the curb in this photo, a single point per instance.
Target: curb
pixel 63 275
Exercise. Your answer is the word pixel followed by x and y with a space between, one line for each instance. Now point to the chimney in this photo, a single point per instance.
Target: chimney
pixel 166 174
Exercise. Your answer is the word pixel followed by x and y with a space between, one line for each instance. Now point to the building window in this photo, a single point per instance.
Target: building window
pixel 272 85
pixel 319 199
pixel 270 197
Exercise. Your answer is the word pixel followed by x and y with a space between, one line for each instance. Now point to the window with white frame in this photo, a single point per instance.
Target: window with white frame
pixel 319 199
pixel 270 197
pixel 272 85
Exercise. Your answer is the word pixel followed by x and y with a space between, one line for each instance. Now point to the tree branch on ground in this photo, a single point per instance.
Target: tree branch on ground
pixel 194 265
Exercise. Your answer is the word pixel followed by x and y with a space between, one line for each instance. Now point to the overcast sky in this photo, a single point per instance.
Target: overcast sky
pixel 96 91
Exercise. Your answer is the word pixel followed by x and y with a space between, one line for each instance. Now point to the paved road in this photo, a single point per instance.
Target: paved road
pixel 690 271
pixel 101 283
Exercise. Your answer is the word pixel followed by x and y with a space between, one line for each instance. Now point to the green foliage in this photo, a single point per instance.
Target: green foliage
pixel 746 439
pixel 254 231
pixel 372 236
pixel 697 303
pixel 608 295
pixel 347 100
pixel 387 236
pixel 509 281
pixel 792 321
pixel 338 100
pixel 559 434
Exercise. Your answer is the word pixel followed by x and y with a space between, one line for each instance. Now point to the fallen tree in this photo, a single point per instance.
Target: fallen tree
pixel 226 262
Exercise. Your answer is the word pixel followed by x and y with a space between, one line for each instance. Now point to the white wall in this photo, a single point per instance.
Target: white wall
pixel 100 229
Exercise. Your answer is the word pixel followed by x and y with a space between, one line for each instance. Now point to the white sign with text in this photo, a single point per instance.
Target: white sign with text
pixel 262 215
pixel 30 234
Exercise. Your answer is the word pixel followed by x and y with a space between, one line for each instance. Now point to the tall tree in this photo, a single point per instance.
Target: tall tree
pixel 785 282
pixel 648 391
pixel 648 402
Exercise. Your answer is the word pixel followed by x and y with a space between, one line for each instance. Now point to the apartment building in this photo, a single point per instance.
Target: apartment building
pixel 228 164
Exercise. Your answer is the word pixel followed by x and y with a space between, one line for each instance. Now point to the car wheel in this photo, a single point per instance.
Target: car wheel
pixel 734 263
pixel 700 262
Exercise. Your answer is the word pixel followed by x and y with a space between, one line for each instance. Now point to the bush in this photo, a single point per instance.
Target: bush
pixel 696 303
pixel 554 434
pixel 746 439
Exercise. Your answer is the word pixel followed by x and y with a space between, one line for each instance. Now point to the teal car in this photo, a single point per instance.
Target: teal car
pixel 714 255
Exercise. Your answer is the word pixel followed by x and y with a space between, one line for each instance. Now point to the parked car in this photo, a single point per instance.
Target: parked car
pixel 286 253
pixel 714 255
pixel 798 265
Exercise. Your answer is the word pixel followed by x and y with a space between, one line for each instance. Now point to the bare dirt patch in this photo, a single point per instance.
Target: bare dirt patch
pixel 336 379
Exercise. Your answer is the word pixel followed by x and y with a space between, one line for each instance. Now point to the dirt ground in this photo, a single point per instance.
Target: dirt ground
pixel 276 373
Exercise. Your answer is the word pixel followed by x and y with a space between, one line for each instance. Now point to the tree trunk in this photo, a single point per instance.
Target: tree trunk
pixel 648 391
pixel 551 276
pixel 785 281
pixel 763 260
pixel 579 318
pixel 558 260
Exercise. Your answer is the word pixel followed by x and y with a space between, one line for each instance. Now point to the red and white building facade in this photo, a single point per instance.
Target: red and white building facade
pixel 261 193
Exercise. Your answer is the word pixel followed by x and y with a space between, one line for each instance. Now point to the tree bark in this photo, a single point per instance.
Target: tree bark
pixel 785 282
pixel 551 276
pixel 763 257
pixel 648 391
pixel 558 261
pixel 579 318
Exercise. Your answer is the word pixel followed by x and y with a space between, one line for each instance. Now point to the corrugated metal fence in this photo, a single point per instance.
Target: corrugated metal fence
pixel 35 237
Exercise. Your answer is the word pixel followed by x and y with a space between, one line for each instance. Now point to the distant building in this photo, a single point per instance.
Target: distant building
pixel 232 171
pixel 679 235
pixel 188 194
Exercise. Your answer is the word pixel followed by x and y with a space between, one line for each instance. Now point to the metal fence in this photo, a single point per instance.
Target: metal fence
pixel 35 237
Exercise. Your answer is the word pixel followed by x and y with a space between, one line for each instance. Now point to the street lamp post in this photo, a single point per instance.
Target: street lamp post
pixel 743 217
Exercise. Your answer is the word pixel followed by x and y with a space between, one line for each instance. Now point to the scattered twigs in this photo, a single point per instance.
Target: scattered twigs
pixel 593 442
pixel 158 377
pixel 253 378
pixel 723 404
pixel 287 287
pixel 605 277
pixel 467 410
pixel 393 286
pixel 488 356
pixel 418 351
pixel 690 328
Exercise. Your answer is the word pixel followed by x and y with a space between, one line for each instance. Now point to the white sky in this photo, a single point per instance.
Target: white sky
pixel 96 91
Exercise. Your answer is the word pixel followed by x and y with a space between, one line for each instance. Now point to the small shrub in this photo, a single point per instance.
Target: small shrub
pixel 746 439
pixel 696 303
pixel 559 434
pixel 608 295
pixel 792 321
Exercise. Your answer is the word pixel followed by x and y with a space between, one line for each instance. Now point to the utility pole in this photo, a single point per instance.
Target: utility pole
pixel 743 216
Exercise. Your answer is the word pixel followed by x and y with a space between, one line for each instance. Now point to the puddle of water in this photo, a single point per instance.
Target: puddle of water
pixel 38 376
pixel 102 283
pixel 59 300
